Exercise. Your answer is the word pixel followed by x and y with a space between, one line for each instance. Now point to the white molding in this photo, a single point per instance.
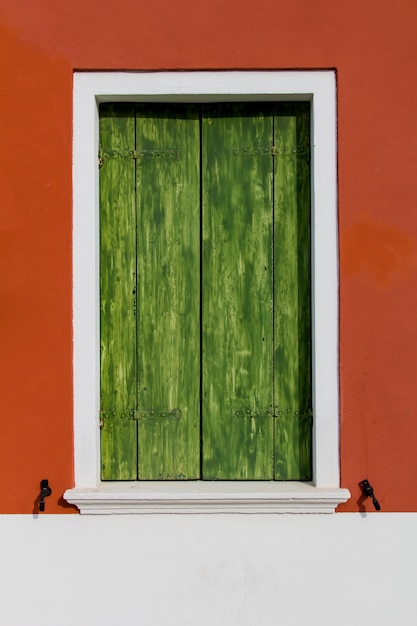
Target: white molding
pixel 91 88
pixel 206 497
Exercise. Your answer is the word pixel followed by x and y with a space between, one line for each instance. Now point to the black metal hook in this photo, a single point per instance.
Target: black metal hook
pixel 45 492
pixel 368 491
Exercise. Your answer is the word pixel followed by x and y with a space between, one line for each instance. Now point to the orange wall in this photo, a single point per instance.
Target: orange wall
pixel 373 46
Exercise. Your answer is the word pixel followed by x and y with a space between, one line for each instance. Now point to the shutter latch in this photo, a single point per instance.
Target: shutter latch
pixel 368 491
pixel 45 492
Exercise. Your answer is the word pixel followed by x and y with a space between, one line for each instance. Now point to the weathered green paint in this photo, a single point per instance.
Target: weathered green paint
pixel 168 270
pixel 237 293
pixel 236 344
pixel 117 295
pixel 292 287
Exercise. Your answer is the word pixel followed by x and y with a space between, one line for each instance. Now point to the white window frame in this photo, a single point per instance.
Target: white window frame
pixel 90 494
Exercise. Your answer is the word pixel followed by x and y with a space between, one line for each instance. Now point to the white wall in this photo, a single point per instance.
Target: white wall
pixel 216 570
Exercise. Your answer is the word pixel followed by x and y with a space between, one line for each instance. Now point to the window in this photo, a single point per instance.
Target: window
pixel 322 493
pixel 205 291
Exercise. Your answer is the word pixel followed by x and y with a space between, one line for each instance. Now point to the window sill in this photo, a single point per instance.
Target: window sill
pixel 205 497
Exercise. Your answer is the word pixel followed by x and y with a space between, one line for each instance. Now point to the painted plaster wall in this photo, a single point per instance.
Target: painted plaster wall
pixel 373 46
pixel 344 569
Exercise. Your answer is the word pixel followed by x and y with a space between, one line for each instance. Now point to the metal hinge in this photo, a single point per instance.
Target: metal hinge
pixel 140 414
pixel 253 413
pixel 111 413
pixel 303 416
pixel 274 412
pixel 137 155
pixel 273 151
pixel 155 414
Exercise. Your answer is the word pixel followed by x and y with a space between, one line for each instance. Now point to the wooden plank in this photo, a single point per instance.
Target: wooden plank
pixel 292 288
pixel 237 292
pixel 168 266
pixel 117 295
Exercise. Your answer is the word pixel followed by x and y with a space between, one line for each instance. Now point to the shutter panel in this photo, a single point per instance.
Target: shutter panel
pixel 292 286
pixel 248 325
pixel 117 287
pixel 237 292
pixel 168 270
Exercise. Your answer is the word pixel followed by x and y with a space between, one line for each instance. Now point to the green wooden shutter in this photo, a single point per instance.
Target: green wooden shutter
pixel 292 288
pixel 168 268
pixel 236 343
pixel 237 292
pixel 117 293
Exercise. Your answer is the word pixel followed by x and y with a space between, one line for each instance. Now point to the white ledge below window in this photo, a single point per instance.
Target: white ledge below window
pixel 206 497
